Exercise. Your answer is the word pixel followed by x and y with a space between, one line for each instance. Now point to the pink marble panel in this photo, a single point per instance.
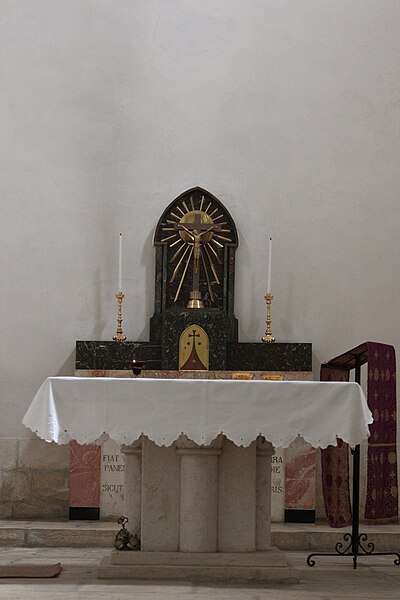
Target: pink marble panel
pixel 84 475
pixel 300 477
pixel 84 470
pixel 149 374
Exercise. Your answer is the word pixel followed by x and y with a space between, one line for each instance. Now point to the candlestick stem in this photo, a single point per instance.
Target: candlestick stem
pixel 119 336
pixel 268 338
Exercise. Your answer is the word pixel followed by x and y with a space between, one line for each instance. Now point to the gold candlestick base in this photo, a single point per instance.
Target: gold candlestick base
pixel 119 336
pixel 195 300
pixel 268 338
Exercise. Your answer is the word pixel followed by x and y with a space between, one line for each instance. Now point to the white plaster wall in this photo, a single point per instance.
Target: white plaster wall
pixel 288 111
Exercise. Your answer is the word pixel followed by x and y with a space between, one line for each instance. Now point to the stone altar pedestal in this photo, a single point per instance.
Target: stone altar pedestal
pixel 202 513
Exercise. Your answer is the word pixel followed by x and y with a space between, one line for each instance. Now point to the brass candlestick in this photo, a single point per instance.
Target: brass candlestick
pixel 119 336
pixel 268 338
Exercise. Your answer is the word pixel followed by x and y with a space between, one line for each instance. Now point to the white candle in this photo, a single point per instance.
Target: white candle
pixel 269 267
pixel 120 264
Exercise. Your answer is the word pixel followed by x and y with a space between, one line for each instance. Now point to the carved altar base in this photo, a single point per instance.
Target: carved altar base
pixel 202 513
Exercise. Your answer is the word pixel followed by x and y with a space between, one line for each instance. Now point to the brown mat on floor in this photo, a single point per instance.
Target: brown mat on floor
pixel 30 570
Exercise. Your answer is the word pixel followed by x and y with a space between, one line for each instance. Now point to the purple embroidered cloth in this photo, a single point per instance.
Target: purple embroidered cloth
pixel 335 466
pixel 382 489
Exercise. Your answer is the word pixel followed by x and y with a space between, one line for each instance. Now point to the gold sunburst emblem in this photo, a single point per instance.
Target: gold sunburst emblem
pixel 197 235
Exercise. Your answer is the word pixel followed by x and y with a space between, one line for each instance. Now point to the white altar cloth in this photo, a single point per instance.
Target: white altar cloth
pixel 84 409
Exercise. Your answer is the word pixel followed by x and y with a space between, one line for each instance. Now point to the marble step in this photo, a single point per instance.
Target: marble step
pixel 285 536
pixel 262 567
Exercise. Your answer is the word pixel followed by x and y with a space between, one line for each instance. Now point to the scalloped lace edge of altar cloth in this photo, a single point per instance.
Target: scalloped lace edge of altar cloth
pixel 65 437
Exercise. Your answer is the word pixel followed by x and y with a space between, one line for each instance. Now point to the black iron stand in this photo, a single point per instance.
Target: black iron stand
pixel 355 544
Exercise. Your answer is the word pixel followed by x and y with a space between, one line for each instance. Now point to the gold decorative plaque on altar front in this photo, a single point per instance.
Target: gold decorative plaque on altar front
pixel 193 349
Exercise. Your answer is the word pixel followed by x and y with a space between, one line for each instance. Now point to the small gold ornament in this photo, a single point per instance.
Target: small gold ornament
pixel 242 376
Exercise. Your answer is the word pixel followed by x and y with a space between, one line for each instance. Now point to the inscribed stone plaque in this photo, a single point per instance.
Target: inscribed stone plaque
pixel 111 480
pixel 278 486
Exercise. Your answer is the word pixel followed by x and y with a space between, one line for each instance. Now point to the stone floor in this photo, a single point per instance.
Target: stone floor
pixel 80 545
pixel 331 579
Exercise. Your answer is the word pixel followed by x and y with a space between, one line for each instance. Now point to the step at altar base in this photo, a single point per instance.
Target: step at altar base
pixel 238 567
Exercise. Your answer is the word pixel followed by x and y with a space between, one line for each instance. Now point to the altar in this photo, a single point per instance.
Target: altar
pixel 193 333
pixel 198 462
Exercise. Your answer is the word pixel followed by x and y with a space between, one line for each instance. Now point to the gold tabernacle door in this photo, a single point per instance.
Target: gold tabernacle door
pixel 193 349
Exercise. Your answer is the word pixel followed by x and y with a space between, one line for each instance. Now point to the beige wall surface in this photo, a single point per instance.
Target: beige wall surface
pixel 286 111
